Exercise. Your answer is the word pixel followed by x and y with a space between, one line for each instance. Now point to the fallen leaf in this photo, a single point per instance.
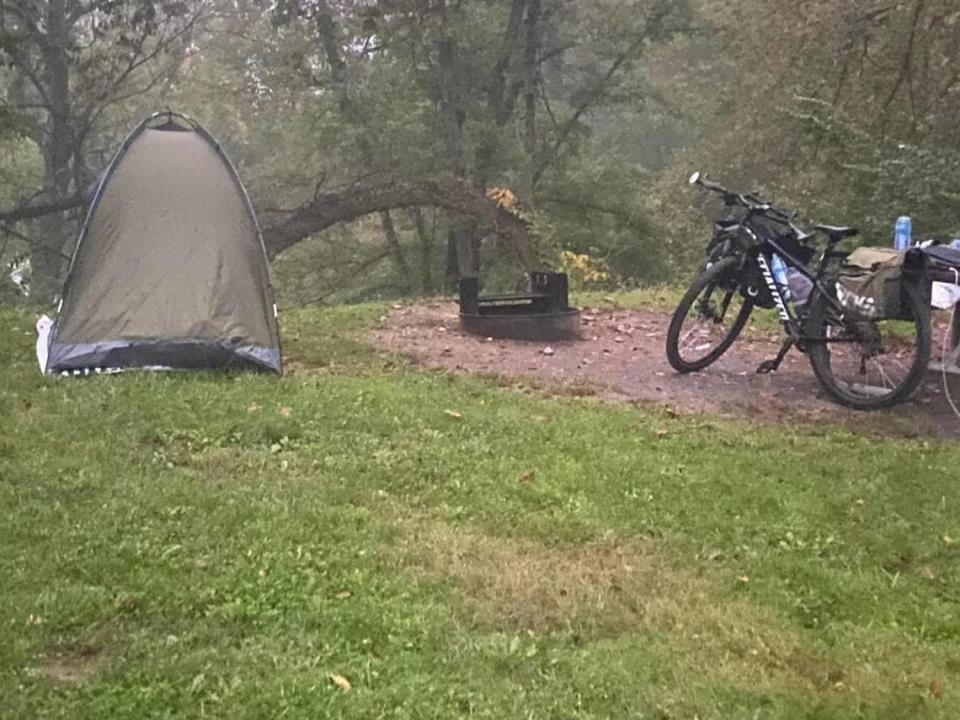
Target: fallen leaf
pixel 341 682
pixel 285 411
pixel 453 413
pixel 342 595
pixel 947 540
pixel 253 408
pixel 662 433
pixel 935 689
pixel 528 476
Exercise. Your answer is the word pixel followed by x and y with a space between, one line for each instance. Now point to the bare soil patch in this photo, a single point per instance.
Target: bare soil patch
pixel 621 356
pixel 613 587
pixel 72 665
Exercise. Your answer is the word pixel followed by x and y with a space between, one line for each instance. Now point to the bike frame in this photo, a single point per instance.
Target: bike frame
pixel 766 247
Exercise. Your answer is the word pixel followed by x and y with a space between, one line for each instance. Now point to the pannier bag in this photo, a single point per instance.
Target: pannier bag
pixel 869 283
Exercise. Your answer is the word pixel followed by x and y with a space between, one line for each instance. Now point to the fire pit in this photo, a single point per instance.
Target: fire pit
pixel 543 314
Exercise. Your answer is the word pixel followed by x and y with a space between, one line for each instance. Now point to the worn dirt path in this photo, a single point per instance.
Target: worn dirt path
pixel 621 357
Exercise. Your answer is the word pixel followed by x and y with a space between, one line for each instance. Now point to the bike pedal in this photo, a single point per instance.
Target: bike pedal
pixel 767 367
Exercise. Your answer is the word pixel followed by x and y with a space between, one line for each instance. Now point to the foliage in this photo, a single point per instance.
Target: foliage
pixel 588 114
pixel 20 168
pixel 847 118
pixel 585 272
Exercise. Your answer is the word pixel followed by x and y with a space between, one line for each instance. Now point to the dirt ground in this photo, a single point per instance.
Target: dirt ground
pixel 621 357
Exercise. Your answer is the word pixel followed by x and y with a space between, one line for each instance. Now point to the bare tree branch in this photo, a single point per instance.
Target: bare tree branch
pixel 30 211
pixel 387 192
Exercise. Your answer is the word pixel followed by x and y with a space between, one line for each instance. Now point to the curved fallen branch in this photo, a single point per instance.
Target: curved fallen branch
pixel 32 211
pixel 371 195
pixel 382 193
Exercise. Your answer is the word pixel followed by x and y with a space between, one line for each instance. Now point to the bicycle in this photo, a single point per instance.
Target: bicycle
pixel 861 362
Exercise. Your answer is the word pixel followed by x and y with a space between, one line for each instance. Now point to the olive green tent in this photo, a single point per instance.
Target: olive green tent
pixel 170 269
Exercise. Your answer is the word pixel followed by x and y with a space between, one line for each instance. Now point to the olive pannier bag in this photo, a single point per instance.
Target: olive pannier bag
pixel 869 283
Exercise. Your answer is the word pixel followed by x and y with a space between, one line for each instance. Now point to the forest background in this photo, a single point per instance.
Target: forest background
pixel 390 146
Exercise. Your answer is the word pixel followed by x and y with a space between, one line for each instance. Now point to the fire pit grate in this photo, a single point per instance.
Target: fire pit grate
pixel 543 314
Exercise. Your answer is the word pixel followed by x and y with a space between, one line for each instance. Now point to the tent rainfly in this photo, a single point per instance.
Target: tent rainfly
pixel 170 270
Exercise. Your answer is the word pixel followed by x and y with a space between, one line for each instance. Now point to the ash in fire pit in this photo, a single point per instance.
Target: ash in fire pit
pixel 543 314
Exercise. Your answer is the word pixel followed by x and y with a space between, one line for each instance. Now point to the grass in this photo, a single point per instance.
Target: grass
pixel 204 545
pixel 665 299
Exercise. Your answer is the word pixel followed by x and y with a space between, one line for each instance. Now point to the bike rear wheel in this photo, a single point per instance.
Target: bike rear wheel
pixel 709 318
pixel 869 364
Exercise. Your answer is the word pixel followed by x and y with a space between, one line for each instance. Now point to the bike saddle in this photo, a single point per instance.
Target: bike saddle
pixel 836 233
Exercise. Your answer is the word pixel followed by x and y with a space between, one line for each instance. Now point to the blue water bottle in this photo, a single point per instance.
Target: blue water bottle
pixel 902 233
pixel 779 268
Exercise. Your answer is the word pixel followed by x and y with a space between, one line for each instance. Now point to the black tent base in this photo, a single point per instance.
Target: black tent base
pixel 179 354
pixel 542 315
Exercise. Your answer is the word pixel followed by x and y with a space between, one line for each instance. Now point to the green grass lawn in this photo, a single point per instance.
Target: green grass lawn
pixel 234 546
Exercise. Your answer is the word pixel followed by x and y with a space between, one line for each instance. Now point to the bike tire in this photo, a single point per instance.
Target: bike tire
pixel 709 276
pixel 819 352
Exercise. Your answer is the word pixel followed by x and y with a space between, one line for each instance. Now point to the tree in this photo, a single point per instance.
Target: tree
pixel 849 117
pixel 477 73
pixel 68 64
pixel 338 109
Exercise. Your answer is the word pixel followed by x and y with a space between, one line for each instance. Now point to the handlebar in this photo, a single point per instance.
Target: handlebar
pixel 745 200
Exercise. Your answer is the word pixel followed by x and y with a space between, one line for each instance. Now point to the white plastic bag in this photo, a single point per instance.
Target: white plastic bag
pixel 20 271
pixel 43 341
pixel 944 295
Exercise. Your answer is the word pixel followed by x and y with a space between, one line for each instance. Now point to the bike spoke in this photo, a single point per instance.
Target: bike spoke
pixel 866 366
pixel 883 376
pixel 708 321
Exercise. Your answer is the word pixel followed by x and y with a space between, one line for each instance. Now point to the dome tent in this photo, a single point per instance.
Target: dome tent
pixel 170 270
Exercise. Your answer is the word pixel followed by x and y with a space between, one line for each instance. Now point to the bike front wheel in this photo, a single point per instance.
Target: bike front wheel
pixel 869 364
pixel 709 318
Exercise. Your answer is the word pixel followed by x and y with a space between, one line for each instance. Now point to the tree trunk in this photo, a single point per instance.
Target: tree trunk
pixel 396 250
pixel 462 234
pixel 426 251
pixel 57 152
pixel 451 266
pixel 531 61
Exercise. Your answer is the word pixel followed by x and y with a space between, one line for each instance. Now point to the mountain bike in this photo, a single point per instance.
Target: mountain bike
pixel 863 363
